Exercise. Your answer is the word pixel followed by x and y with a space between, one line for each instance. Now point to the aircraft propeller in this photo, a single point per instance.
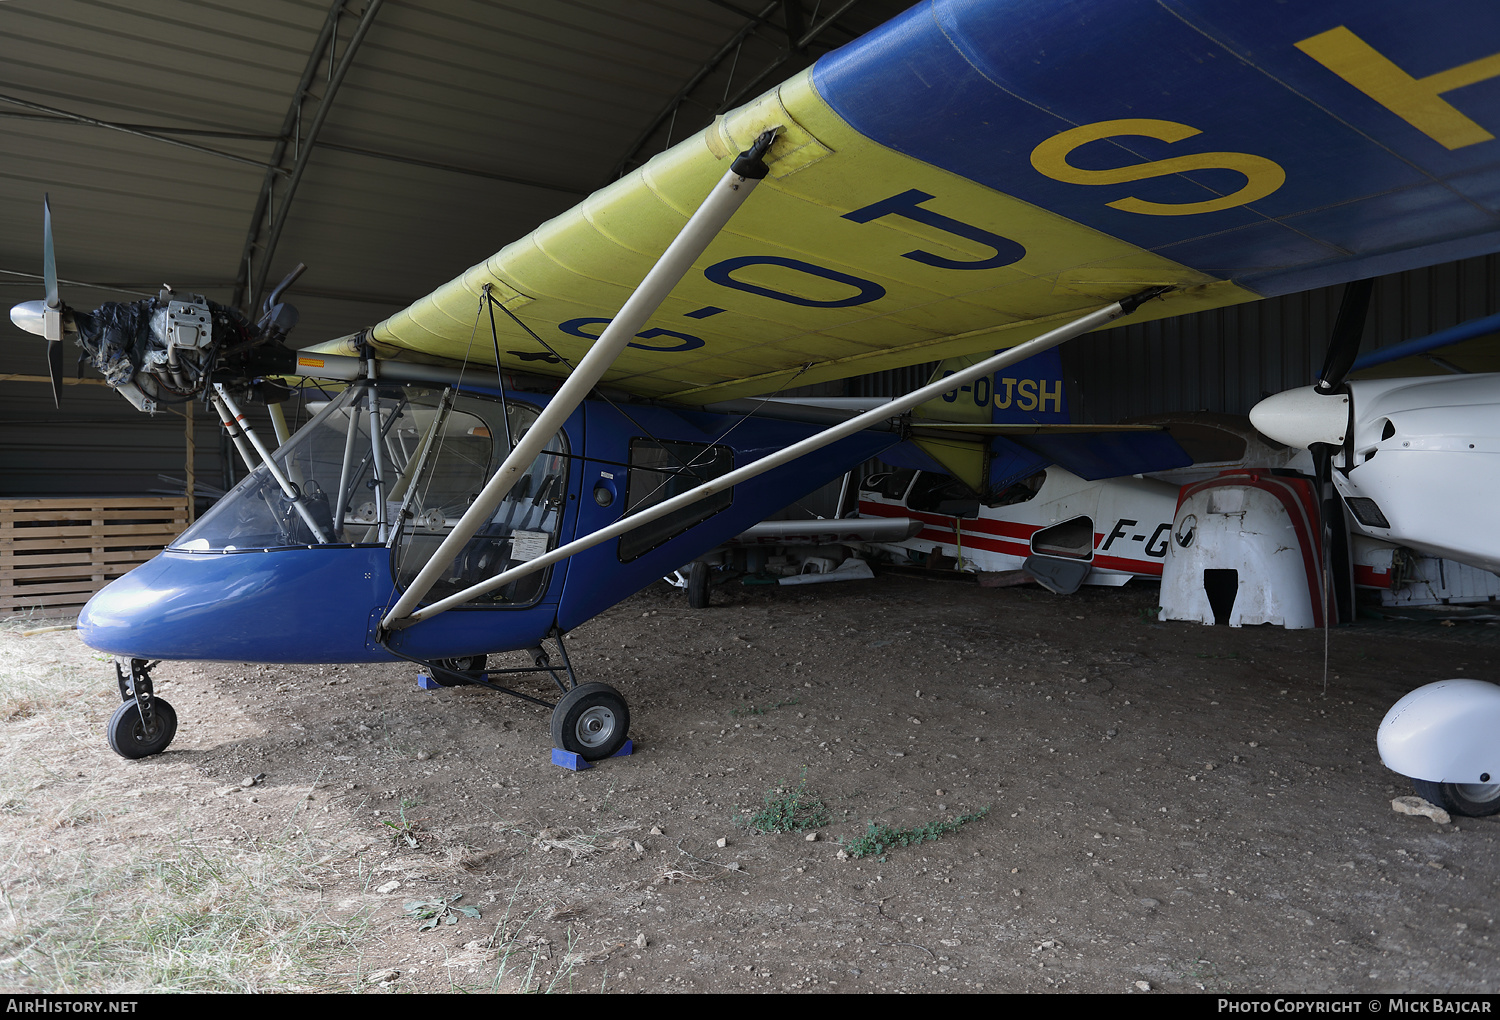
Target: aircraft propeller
pixel 1320 419
pixel 45 317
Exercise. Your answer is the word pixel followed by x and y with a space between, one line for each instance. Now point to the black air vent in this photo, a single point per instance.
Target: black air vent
pixel 1367 512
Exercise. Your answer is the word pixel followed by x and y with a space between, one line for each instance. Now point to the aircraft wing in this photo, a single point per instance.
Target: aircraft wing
pixel 976 171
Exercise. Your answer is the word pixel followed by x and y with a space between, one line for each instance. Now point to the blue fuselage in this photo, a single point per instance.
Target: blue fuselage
pixel 237 588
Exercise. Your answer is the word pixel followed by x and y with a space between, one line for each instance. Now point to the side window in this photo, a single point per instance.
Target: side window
pixel 660 470
pixel 454 453
pixel 942 494
pixel 1019 492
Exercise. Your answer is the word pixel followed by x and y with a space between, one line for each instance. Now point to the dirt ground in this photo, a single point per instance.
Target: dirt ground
pixel 1179 805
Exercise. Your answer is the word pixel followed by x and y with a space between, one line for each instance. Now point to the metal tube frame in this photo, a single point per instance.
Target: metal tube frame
pixel 341 504
pixel 377 450
pixel 224 402
pixel 424 456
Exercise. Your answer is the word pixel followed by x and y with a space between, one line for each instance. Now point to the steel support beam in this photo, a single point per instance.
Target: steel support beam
pixel 288 126
pixel 796 42
pixel 289 191
pixel 77 118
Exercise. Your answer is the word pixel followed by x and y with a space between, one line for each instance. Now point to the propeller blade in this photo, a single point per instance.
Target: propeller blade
pixel 1338 568
pixel 49 261
pixel 54 370
pixel 1343 345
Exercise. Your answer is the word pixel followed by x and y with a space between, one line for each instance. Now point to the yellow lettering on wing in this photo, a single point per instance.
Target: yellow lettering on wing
pixel 1026 395
pixel 1262 176
pixel 1053 396
pixel 1418 101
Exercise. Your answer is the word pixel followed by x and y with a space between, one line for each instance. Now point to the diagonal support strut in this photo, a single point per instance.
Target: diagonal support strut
pixel 1091 321
pixel 704 225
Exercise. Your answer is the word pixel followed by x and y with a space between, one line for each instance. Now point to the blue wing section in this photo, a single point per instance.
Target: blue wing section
pixel 1379 114
pixel 1430 342
pixel 1010 462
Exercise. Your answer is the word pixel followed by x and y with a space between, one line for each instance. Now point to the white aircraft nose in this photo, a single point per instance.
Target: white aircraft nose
pixel 1302 417
pixel 30 316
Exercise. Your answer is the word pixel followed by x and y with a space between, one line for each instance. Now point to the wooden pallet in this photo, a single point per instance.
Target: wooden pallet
pixel 56 553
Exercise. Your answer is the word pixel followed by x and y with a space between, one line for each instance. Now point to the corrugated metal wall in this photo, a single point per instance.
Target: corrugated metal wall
pixel 1226 360
pixel 97 444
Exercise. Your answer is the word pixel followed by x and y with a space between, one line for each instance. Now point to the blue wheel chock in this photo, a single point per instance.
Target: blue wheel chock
pixel 569 760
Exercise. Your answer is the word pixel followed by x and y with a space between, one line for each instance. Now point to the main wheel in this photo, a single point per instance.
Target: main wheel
pixel 127 732
pixel 697 585
pixel 462 664
pixel 591 721
pixel 1473 799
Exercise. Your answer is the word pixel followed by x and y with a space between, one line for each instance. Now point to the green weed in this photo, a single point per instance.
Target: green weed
pixel 435 912
pixel 879 839
pixel 406 830
pixel 788 809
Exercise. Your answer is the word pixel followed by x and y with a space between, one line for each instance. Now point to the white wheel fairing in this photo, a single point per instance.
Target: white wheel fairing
pixel 1446 732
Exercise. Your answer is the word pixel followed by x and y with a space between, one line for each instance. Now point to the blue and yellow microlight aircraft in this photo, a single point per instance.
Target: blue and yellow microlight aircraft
pixel 972 176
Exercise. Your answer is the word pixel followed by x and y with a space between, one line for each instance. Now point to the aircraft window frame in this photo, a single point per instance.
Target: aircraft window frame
pixel 256 502
pixel 649 482
pixel 934 492
pixel 1023 490
pixel 528 520
pixel 425 434
pixel 1080 528
pixel 885 483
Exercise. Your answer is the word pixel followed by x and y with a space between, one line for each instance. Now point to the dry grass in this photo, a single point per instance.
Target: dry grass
pixel 101 891
pixel 577 843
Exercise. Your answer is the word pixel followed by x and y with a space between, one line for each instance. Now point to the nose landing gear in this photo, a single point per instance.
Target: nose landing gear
pixel 144 725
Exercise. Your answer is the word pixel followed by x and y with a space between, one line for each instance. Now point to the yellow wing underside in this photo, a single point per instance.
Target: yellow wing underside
pixel 796 308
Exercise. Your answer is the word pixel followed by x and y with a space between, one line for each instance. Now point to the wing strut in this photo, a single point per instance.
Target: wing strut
pixel 900 405
pixel 235 422
pixel 726 197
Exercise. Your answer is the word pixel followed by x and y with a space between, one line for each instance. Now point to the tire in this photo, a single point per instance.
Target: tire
pixel 1475 800
pixel 697 585
pixel 127 734
pixel 462 664
pixel 591 721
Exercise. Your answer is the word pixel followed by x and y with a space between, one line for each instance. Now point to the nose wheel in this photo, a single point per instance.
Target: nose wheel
pixel 144 725
pixel 127 733
pixel 592 721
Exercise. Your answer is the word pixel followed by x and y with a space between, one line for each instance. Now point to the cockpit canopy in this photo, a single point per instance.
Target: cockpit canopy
pixel 433 450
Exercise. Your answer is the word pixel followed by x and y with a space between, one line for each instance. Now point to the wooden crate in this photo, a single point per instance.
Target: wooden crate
pixel 55 553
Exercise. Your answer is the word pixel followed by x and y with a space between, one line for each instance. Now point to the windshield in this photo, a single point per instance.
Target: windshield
pixel 355 491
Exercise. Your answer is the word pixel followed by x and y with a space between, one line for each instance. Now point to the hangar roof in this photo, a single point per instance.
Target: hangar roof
pixel 388 144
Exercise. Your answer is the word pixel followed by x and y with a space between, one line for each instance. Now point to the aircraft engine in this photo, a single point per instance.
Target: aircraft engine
pixel 160 350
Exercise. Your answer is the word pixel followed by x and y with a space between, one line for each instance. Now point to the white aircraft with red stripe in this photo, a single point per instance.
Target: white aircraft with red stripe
pixel 1054 526
pixel 1053 501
